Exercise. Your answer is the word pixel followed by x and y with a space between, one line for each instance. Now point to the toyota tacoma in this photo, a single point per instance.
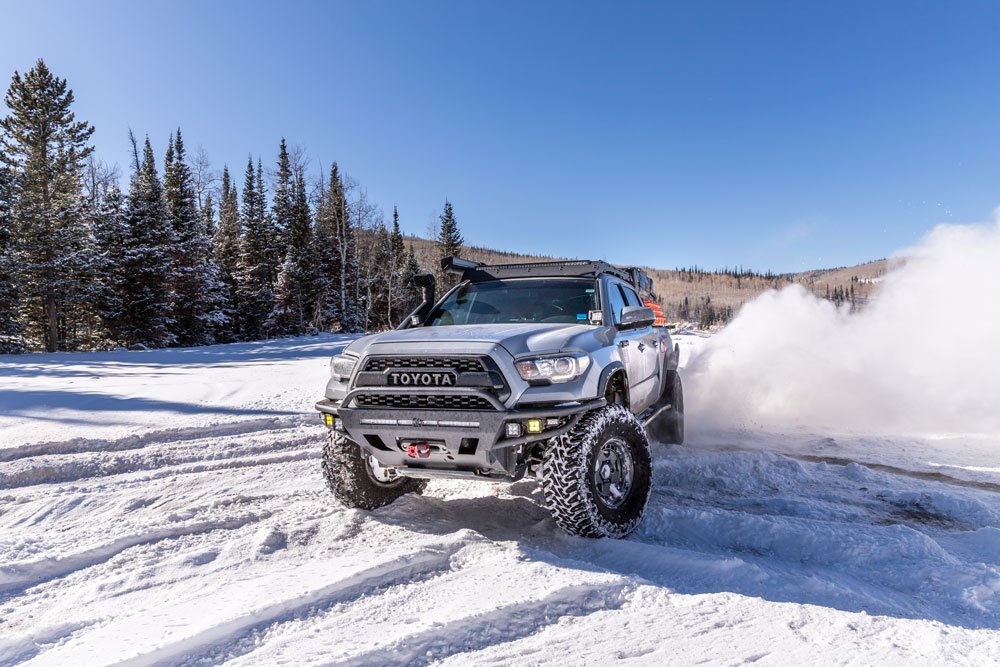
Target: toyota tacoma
pixel 549 370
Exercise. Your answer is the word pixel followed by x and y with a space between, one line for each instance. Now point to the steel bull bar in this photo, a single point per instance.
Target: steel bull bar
pixel 487 425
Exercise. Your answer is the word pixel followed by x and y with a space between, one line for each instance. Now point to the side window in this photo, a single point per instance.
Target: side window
pixel 616 301
pixel 631 298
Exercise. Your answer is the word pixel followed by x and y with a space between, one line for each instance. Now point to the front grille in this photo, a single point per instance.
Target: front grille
pixel 424 401
pixel 458 364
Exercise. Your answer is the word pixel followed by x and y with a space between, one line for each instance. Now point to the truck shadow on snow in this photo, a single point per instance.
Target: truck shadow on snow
pixel 33 403
pixel 767 526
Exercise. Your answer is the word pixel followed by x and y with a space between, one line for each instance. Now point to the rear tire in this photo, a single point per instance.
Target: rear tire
pixel 355 482
pixel 673 428
pixel 597 478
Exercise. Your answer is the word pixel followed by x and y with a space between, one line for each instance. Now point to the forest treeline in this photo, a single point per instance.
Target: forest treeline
pixel 179 257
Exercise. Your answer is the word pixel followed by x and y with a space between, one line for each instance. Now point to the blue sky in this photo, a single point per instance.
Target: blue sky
pixel 776 135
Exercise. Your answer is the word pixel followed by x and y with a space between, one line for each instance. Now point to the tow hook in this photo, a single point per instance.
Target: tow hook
pixel 418 450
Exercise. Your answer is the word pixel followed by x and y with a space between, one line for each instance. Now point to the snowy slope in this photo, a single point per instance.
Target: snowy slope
pixel 167 507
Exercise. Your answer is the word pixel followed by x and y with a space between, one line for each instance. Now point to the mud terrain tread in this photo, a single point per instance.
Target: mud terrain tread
pixel 564 473
pixel 674 427
pixel 347 476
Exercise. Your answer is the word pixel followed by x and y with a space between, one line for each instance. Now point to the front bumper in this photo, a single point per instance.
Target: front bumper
pixel 465 443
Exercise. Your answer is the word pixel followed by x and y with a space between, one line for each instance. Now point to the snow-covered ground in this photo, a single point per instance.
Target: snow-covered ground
pixel 167 507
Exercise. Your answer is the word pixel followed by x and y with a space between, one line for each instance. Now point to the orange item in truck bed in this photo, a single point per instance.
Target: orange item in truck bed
pixel 661 319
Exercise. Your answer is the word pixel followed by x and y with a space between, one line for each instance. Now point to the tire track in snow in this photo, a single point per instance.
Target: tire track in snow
pixel 922 475
pixel 239 609
pixel 18 577
pixel 502 625
pixel 22 647
pixel 245 642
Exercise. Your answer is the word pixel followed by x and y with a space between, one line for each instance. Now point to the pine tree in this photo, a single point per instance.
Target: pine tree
pixel 296 287
pixel 326 250
pixel 194 309
pixel 11 340
pixel 398 245
pixel 208 216
pixel 146 259
pixel 227 257
pixel 449 244
pixel 282 203
pixel 255 276
pixel 110 230
pixel 396 295
pixel 45 147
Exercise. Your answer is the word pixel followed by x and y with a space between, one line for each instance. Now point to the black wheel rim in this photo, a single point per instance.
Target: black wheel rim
pixel 613 473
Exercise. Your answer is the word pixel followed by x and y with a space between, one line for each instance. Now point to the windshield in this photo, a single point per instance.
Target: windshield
pixel 542 301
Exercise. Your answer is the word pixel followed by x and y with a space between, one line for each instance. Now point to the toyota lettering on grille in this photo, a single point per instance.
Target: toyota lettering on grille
pixel 419 378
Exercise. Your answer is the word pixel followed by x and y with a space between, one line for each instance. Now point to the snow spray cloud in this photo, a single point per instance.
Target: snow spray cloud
pixel 923 356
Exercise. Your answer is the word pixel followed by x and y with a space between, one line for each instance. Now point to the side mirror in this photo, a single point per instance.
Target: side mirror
pixel 634 317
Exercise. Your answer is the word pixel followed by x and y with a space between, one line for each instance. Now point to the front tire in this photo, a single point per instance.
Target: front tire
pixel 597 478
pixel 356 482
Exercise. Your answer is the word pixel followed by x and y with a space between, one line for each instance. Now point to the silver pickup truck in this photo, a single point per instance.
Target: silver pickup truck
pixel 550 370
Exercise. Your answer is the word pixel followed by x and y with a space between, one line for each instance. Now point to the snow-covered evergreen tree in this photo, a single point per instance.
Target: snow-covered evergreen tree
pixel 146 260
pixel 227 257
pixel 296 290
pixel 45 147
pixel 194 280
pixel 282 202
pixel 208 216
pixel 326 250
pixel 110 231
pixel 255 273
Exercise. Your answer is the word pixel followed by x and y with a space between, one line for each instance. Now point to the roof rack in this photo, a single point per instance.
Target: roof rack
pixel 477 271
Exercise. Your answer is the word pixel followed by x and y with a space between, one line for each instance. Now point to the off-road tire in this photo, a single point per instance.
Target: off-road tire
pixel 673 420
pixel 568 472
pixel 350 477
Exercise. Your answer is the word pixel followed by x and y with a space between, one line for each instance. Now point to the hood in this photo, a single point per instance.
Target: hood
pixel 517 339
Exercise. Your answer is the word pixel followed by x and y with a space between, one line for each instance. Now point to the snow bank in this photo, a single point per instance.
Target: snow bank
pixel 49 402
pixel 791 359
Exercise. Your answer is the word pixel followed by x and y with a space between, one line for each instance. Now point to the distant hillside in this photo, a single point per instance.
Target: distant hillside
pixel 707 297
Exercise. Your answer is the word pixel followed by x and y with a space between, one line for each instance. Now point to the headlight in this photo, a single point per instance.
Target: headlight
pixel 342 366
pixel 553 369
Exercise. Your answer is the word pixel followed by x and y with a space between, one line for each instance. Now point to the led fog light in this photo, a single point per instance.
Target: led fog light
pixel 513 430
pixel 534 426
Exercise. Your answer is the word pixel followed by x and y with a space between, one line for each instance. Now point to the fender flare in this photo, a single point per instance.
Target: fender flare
pixel 609 370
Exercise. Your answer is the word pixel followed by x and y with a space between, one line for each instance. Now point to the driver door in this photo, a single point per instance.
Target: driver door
pixel 633 349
